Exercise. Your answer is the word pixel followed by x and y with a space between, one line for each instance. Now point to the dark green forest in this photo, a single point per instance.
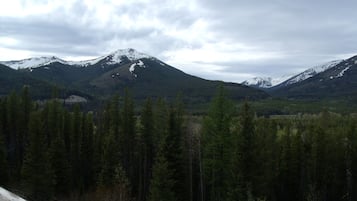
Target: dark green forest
pixel 50 151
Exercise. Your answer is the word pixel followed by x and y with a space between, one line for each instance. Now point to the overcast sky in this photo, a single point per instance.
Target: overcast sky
pixel 229 40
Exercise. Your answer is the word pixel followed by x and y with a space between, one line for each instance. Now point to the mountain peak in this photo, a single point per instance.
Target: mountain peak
pixel 130 53
pixel 259 82
pixel 266 82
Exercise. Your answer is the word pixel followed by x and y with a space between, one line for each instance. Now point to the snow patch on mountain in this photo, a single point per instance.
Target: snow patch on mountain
pixel 6 195
pixel 312 72
pixel 86 62
pixel 343 71
pixel 132 67
pixel 110 59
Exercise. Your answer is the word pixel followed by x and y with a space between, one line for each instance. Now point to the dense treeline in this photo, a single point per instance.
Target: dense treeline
pixel 48 152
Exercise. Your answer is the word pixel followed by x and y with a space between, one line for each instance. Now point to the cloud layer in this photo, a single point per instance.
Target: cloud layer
pixel 224 40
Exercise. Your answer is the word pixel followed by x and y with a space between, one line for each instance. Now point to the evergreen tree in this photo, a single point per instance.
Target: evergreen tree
pixel 243 159
pixel 217 147
pixel 4 176
pixel 161 123
pixel 60 166
pixel 36 171
pixel 113 118
pixel 127 138
pixel 147 150
pixel 87 153
pixel 111 161
pixel 174 152
pixel 76 136
pixel 12 135
pixel 161 185
pixel 24 115
pixel 266 156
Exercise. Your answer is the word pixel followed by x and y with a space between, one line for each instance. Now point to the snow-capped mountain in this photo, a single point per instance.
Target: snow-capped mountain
pixel 285 80
pixel 265 82
pixel 259 82
pixel 110 59
pixel 331 80
pixel 32 62
pixel 311 72
pixel 6 195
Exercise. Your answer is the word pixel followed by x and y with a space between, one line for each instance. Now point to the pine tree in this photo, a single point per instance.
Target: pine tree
pixel 161 123
pixel 217 147
pixel 87 153
pixel 4 175
pixel 161 185
pixel 147 150
pixel 127 138
pixel 76 136
pixel 60 166
pixel 36 171
pixel 266 157
pixel 245 157
pixel 12 135
pixel 174 152
pixel 25 110
pixel 111 161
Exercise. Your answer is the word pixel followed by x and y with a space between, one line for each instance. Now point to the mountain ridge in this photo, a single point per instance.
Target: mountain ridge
pixel 144 75
pixel 111 58
pixel 285 80
pixel 336 81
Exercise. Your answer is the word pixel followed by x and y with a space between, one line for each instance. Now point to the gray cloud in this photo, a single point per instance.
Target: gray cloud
pixel 301 33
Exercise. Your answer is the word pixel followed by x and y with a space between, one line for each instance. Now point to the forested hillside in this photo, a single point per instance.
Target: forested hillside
pixel 49 152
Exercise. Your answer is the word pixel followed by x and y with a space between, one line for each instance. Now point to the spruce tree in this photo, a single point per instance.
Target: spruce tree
pixel 217 146
pixel 174 152
pixel 25 110
pixel 147 149
pixel 161 185
pixel 60 166
pixel 127 138
pixel 76 136
pixel 12 135
pixel 245 157
pixel 4 175
pixel 37 173
pixel 87 153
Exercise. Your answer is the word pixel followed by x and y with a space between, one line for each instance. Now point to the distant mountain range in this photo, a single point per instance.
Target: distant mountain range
pixel 268 82
pixel 335 79
pixel 100 78
pixel 147 76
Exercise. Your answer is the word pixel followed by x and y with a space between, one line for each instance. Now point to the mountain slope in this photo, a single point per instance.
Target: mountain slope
pixel 337 81
pixel 309 73
pixel 151 77
pixel 12 80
